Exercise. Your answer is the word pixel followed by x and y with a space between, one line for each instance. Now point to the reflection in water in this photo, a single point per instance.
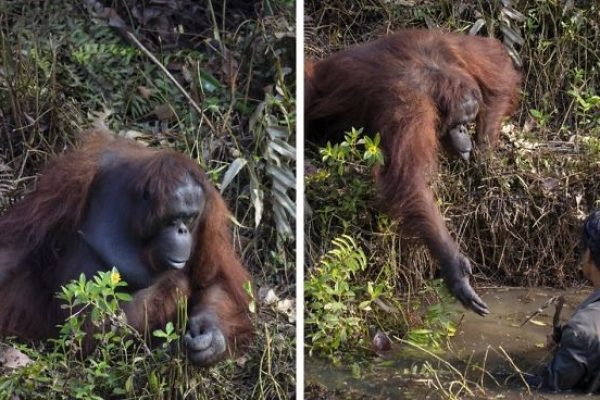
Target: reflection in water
pixel 485 353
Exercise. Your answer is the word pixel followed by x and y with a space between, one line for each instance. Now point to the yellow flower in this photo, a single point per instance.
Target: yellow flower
pixel 372 149
pixel 115 278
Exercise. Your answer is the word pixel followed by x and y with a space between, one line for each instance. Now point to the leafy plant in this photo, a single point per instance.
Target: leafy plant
pixel 438 322
pixel 275 126
pixel 335 299
pixel 338 294
pixel 588 106
pixel 341 190
pixel 346 154
pixel 541 117
pixel 121 364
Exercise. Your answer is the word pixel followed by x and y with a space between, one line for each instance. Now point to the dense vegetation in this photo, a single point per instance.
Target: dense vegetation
pixel 66 66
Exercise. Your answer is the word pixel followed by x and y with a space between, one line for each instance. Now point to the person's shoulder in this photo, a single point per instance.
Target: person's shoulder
pixel 593 297
pixel 586 322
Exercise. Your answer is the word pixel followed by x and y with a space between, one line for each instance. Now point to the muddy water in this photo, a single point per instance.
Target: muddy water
pixel 496 344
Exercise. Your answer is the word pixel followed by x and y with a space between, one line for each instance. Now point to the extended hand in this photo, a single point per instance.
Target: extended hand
pixel 456 276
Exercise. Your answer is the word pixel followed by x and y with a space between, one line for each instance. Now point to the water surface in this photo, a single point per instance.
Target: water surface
pixel 486 353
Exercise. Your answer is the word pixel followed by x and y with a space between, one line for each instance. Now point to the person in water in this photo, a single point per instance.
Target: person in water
pixel 576 361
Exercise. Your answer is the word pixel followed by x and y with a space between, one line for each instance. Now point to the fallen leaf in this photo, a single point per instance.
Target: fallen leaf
pixel 144 92
pixel 13 358
pixel 164 112
pixel 269 297
pixel 538 323
pixel 287 307
pixel 241 361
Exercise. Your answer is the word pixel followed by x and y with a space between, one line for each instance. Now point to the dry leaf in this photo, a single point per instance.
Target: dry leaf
pixel 13 358
pixel 144 92
pixel 164 112
pixel 288 308
pixel 538 323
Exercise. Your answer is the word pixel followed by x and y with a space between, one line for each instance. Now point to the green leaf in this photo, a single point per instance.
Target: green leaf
pixel 123 296
pixel 208 82
pixel 365 305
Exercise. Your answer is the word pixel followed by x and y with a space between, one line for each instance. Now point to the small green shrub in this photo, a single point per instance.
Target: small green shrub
pixel 341 190
pixel 121 363
pixel 336 299
pixel 438 321
pixel 346 155
pixel 337 293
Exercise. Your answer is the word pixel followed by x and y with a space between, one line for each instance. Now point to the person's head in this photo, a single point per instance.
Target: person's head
pixel 590 247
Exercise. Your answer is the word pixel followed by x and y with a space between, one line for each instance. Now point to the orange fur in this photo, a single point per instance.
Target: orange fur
pixel 35 230
pixel 408 87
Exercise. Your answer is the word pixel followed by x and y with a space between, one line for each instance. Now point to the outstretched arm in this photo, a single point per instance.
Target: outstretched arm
pixel 409 132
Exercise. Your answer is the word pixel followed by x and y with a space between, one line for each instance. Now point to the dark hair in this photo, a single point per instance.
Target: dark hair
pixel 590 237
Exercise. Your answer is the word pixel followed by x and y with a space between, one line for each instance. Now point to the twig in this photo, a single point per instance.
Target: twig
pixel 441 360
pixel 542 308
pixel 517 369
pixel 560 302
